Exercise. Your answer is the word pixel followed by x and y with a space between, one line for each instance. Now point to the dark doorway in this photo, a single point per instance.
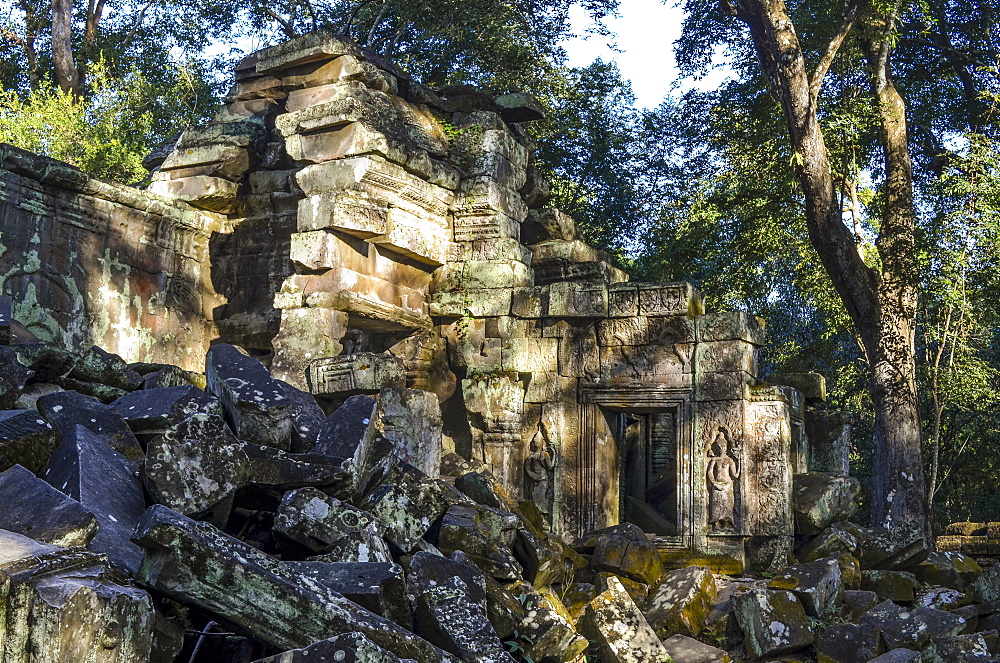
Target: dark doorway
pixel 648 443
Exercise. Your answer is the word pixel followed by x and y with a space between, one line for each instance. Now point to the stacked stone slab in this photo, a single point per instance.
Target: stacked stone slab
pixel 979 540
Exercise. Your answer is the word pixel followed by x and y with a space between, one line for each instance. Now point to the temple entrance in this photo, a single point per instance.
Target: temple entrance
pixel 649 477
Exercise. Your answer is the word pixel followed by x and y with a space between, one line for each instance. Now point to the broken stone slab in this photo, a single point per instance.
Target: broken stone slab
pixel 67 409
pixel 820 499
pixel 26 439
pixel 376 586
pixel 62 607
pixel 517 107
pixel 637 590
pixel 632 557
pixel 317 521
pixel 429 570
pixel 49 362
pixel 688 650
pixel 831 541
pixel 195 563
pixel 968 648
pixel 341 433
pixel 37 510
pixel 32 392
pixel 13 377
pixel 544 559
pixel 818 585
pixel 410 419
pixel 948 569
pixel 97 365
pixel 545 630
pixel 101 392
pixel 483 488
pixel 857 603
pixel 900 655
pixel 900 548
pixel 682 602
pixel 986 588
pixel 409 508
pixel 169 376
pixel 773 622
pixel 897 586
pixel 447 617
pixel 87 469
pixel 941 598
pixel 462 528
pixel 255 403
pixel 345 648
pixel 912 628
pixel 214 194
pixel 307 418
pixel 358 373
pixel 617 629
pixel 151 412
pixel 849 643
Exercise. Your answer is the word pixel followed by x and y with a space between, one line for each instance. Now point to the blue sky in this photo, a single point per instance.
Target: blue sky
pixel 644 34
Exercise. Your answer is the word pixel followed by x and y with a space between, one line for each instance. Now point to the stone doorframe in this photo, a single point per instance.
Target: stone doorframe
pixel 597 473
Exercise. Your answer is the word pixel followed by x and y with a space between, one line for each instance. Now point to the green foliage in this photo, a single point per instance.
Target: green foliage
pixel 109 131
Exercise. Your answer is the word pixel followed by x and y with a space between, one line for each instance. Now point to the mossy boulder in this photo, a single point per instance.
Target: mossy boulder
pixel 683 602
pixel 773 622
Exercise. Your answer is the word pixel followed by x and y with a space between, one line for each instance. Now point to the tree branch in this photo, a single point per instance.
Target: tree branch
pixel 286 26
pixel 850 15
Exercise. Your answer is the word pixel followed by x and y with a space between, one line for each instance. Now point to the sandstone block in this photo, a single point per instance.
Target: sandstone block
pixel 359 373
pixel 912 628
pixel 773 622
pixel 36 509
pixel 820 499
pixel 617 628
pixel 682 602
pixel 689 650
pixel 25 439
pixel 344 648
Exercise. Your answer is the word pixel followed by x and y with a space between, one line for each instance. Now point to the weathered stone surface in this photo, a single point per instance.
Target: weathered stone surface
pixel 361 546
pixel 48 361
pixel 856 603
pixel 428 570
pixel 898 655
pixel 317 521
pixel 195 562
pixel 948 569
pixel 773 622
pixel 957 649
pixel 150 412
pixel 376 586
pixel 517 107
pixel 61 606
pixel 214 194
pixel 36 509
pixel 25 439
pixel 897 586
pixel 899 548
pixel 87 469
pixel 547 632
pixel 305 334
pixel 912 628
pixel 632 557
pixel 682 602
pixel 816 584
pixel 616 627
pixel 447 617
pixel 13 375
pixel 688 650
pixel 255 404
pixel 849 643
pixel 832 541
pixel 821 499
pixel 5 319
pixel 67 409
pixel 941 598
pixel 986 588
pixel 462 528
pixel 408 508
pixel 97 365
pixel 410 419
pixel 307 418
pixel 345 648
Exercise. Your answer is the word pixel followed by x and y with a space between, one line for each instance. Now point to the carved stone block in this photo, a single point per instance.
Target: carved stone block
pixel 481 275
pixel 669 299
pixel 472 225
pixel 731 326
pixel 726 357
pixel 577 300
pixel 306 334
pixel 478 196
pixel 478 303
pixel 351 212
pixel 364 372
pixel 530 355
pixel 530 302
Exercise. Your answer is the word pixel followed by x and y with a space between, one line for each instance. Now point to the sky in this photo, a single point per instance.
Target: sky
pixel 644 33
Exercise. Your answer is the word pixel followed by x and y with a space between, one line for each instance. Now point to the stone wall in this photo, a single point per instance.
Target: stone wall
pixel 95 263
pixel 373 233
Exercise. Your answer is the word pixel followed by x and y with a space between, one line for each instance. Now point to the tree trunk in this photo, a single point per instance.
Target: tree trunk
pixel 881 304
pixel 66 74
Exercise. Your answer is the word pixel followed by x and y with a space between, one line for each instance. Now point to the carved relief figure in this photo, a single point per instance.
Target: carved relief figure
pixel 538 467
pixel 722 473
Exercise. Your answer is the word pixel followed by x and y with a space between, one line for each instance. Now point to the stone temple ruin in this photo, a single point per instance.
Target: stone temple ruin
pixel 372 233
pixel 342 382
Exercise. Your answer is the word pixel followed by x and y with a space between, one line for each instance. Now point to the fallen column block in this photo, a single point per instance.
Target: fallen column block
pixel 195 563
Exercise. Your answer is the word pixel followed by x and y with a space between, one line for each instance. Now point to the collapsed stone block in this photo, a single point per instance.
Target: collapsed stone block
pixel 106 483
pixel 97 365
pixel 632 557
pixel 150 412
pixel 899 548
pixel 376 586
pixel 59 605
pixel 682 602
pixel 849 643
pixel 462 529
pixel 67 409
pixel 361 546
pixel 968 648
pixel 832 541
pixel 13 375
pixel 359 373
pixel 773 622
pixel 255 404
pixel 616 627
pixel 410 419
pixel 914 629
pixel 317 521
pixel 820 499
pixel 345 648
pixel 49 362
pixel 37 510
pixel 408 509
pixel 948 569
pixel 196 563
pixel 307 418
pixel 447 617
pixel 5 319
pixel 549 636
pixel 26 439
pixel 899 655
pixel 818 585
pixel 689 650
pixel 428 570
pixel 898 586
